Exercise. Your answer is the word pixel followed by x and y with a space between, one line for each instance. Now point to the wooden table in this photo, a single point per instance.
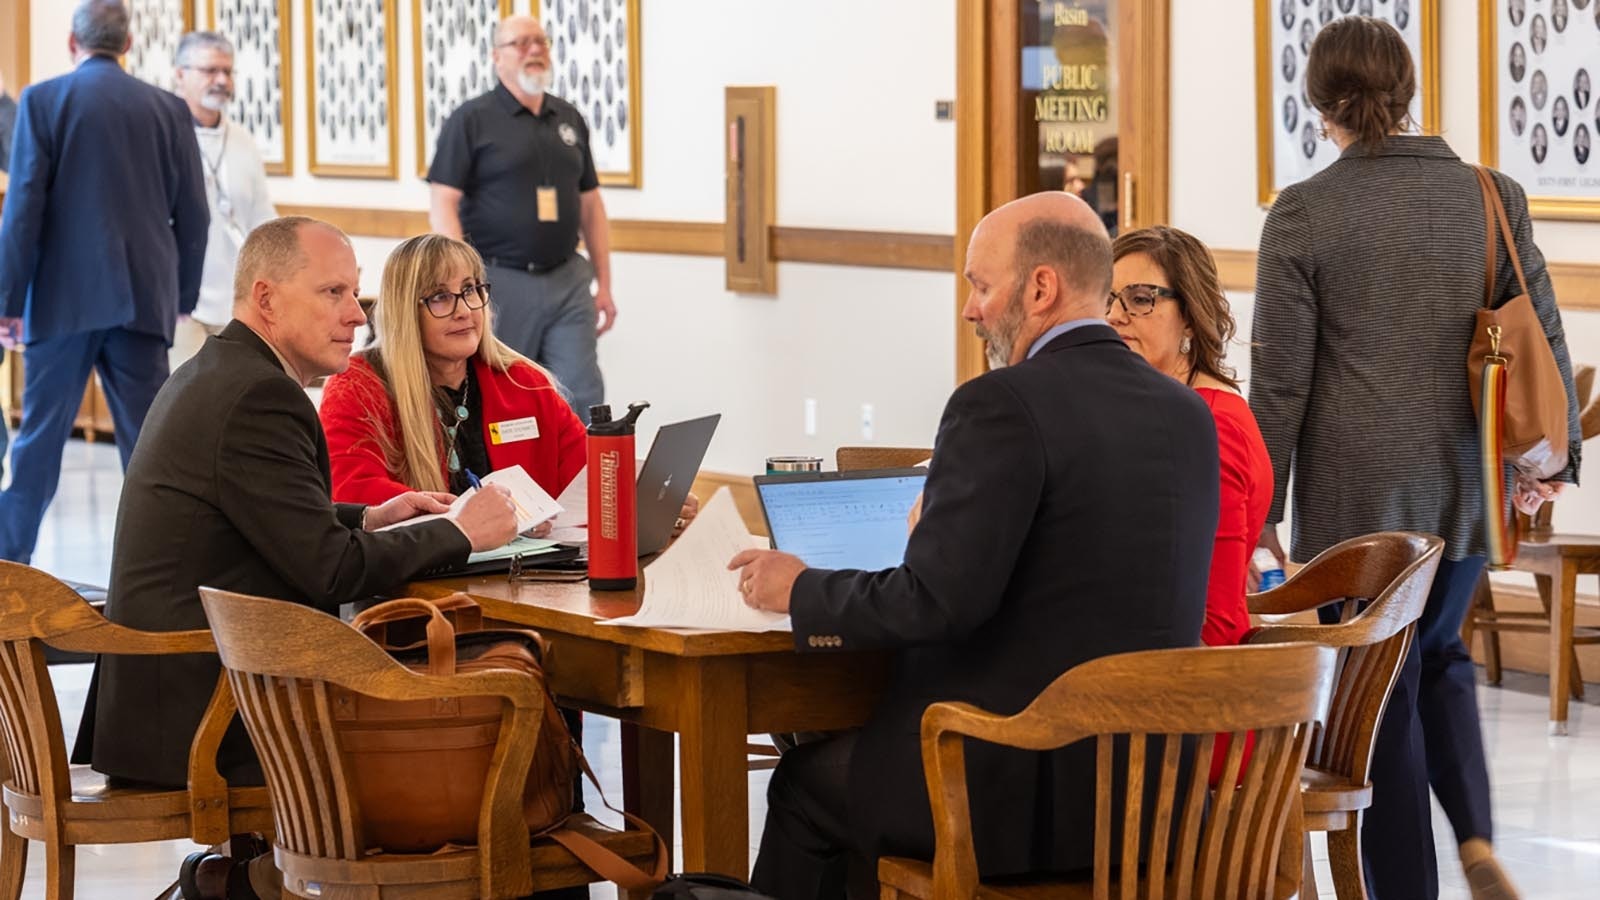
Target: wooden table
pixel 711 689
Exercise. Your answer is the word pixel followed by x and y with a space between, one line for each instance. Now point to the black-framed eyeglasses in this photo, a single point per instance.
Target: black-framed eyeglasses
pixel 442 304
pixel 1139 299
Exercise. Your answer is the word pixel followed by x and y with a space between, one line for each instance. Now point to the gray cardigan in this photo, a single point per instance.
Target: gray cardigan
pixel 1366 285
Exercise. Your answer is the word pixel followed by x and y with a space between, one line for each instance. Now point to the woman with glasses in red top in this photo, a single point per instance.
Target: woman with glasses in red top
pixel 440 396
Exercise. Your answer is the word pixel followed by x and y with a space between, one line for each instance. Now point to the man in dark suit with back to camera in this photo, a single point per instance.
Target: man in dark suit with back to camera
pixel 101 248
pixel 1070 511
pixel 229 488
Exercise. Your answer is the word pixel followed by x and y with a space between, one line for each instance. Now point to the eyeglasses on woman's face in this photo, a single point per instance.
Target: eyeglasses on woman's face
pixel 1139 299
pixel 442 304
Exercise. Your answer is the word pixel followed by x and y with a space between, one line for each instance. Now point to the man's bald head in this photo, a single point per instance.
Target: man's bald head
pixel 1034 263
pixel 1058 231
pixel 512 27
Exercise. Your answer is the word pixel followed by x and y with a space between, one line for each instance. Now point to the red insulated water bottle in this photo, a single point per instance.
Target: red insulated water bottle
pixel 613 503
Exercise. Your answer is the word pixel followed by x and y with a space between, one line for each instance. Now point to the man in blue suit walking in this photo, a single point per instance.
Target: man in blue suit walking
pixel 101 247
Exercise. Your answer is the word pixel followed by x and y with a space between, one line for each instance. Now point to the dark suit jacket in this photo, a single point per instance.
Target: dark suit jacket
pixel 105 217
pixel 228 487
pixel 1069 513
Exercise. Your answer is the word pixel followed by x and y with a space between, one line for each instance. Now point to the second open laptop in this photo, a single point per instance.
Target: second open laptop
pixel 841 520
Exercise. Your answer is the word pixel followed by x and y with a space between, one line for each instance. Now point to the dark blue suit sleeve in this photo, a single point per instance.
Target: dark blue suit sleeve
pixel 191 215
pixel 983 493
pixel 32 170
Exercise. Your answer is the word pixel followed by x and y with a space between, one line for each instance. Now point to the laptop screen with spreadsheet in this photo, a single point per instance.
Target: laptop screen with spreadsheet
pixel 841 520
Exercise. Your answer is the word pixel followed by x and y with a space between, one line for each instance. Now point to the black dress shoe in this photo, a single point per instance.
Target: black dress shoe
pixel 204 875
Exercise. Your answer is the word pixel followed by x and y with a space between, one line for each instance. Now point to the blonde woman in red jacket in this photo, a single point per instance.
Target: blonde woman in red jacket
pixel 439 395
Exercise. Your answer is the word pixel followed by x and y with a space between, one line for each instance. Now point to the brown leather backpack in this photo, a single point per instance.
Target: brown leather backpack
pixel 418 767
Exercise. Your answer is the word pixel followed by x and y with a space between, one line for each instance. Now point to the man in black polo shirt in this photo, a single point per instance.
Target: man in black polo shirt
pixel 513 176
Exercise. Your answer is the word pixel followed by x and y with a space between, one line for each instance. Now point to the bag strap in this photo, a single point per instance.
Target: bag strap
pixel 463 613
pixel 1494 212
pixel 373 623
pixel 1503 530
pixel 605 862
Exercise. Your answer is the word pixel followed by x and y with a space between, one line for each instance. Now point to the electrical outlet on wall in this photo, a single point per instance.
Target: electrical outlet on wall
pixel 811 417
pixel 866 421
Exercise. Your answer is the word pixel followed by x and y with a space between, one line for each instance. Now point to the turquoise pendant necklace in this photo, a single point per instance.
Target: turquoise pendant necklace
pixel 452 459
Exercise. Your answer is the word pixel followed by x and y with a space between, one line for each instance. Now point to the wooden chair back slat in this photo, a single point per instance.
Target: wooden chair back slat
pixel 1395 571
pixel 19 733
pixel 1102 816
pixel 305 767
pixel 1166 801
pixel 1193 806
pixel 249 691
pixel 851 459
pixel 342 803
pixel 1131 804
pixel 1127 701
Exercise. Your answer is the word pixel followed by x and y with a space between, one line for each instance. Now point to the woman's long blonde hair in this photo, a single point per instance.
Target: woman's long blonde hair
pixel 414 268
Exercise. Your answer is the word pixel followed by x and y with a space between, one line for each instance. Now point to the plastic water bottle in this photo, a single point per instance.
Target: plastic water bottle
pixel 1267 565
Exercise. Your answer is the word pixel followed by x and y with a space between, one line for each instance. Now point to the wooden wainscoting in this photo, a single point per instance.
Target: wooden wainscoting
pixel 1577 285
pixel 829 246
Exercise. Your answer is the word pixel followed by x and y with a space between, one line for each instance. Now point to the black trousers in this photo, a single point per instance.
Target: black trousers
pixel 806 849
pixel 1429 736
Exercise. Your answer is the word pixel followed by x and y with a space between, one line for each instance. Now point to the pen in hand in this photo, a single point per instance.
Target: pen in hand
pixel 473 479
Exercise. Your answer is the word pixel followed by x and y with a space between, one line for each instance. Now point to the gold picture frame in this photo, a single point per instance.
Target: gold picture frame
pixel 631 175
pixel 1540 205
pixel 285 45
pixel 390 168
pixel 417 72
pixel 157 70
pixel 1268 137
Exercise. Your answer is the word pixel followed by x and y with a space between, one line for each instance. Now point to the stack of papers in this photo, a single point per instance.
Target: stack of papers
pixel 532 503
pixel 689 586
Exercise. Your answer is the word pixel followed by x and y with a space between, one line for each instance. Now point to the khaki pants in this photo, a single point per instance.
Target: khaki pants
pixel 187 338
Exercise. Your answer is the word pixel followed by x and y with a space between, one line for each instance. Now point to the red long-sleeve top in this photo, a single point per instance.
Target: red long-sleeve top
pixel 1246 493
pixel 356 405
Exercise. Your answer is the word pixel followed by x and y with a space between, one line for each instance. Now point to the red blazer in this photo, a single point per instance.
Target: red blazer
pixel 1246 493
pixel 356 404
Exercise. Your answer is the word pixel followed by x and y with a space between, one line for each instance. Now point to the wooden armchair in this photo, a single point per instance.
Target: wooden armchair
pixel 281 659
pixel 1552 558
pixel 1393 570
pixel 849 459
pixel 47 800
pixel 1220 847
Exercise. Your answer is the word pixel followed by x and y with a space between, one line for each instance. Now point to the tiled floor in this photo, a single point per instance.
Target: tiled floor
pixel 1547 790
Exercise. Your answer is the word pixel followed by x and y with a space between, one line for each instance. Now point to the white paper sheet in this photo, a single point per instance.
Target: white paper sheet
pixel 574 502
pixel 532 503
pixel 689 586
pixel 572 525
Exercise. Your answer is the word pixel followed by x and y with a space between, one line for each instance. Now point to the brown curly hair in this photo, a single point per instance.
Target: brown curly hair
pixel 1192 274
